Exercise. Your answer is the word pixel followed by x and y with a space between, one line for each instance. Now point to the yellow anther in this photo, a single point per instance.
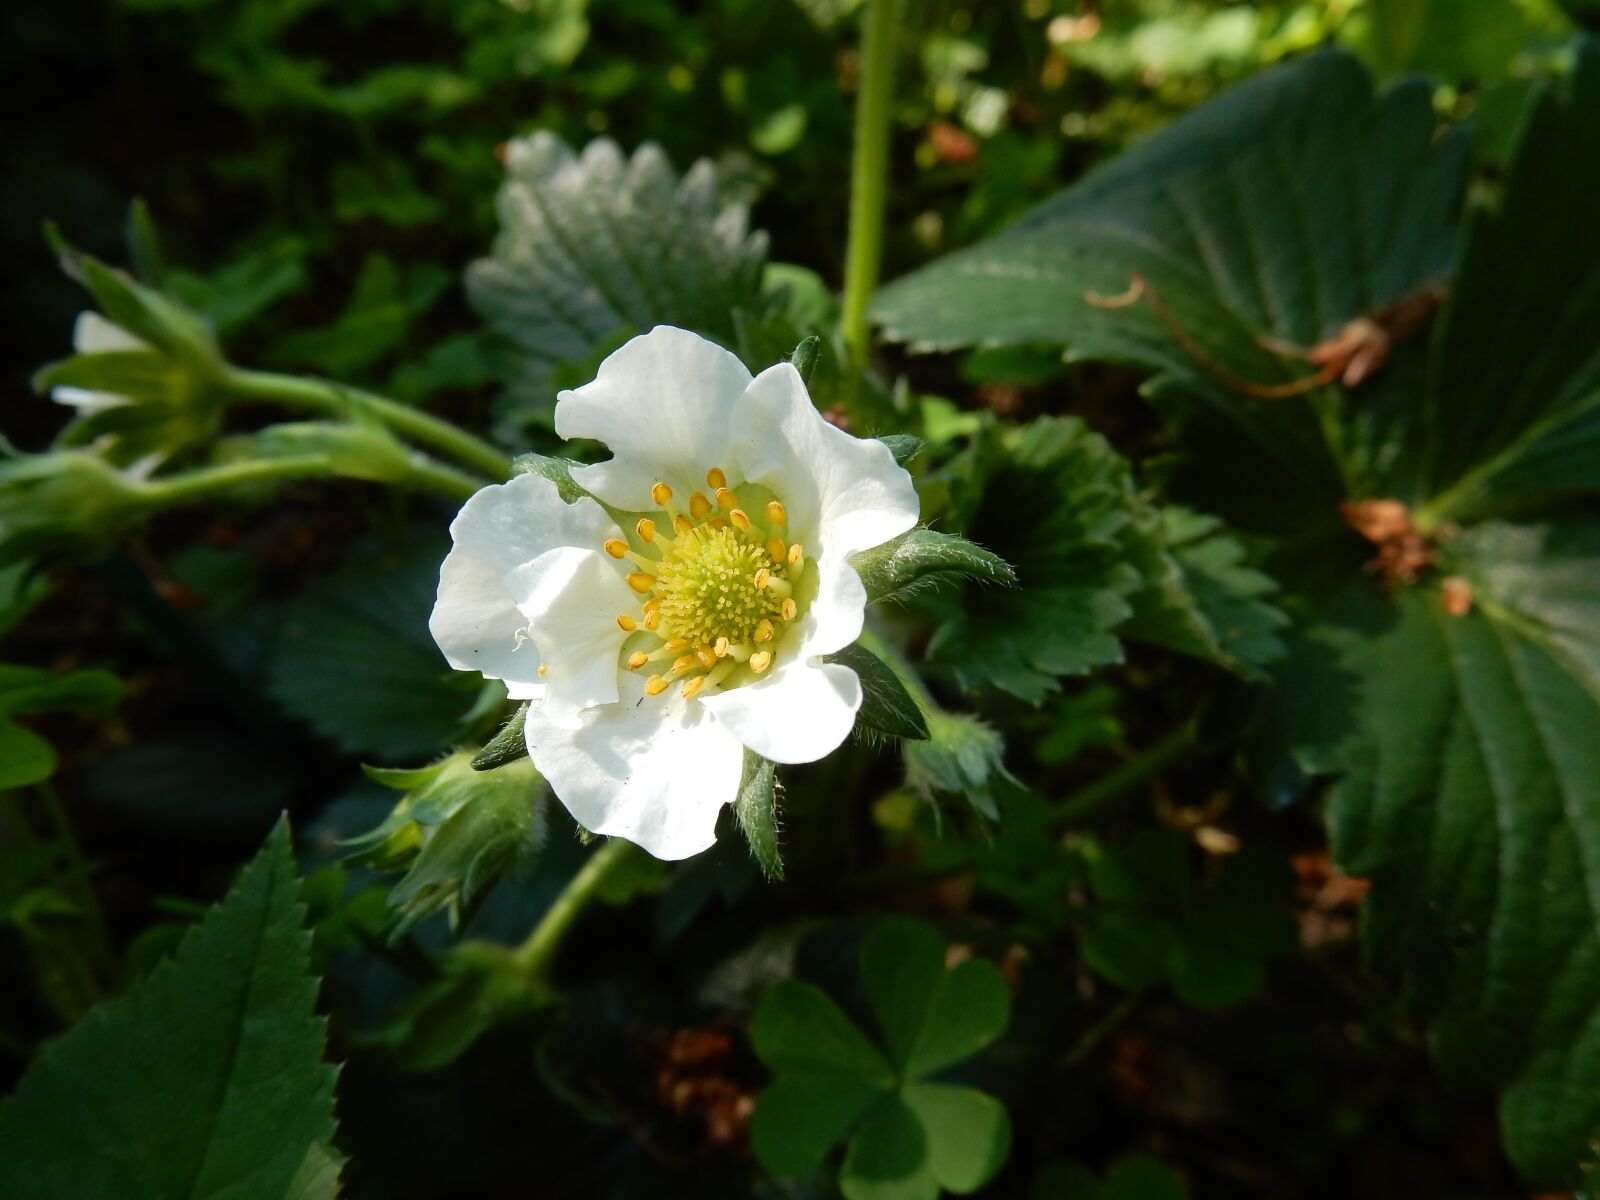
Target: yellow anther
pixel 655 685
pixel 544 670
pixel 699 506
pixel 652 619
pixel 789 609
pixel 775 549
pixel 726 500
pixel 706 655
pixel 681 524
pixel 760 661
pixel 717 523
pixel 763 577
pixel 637 659
pixel 765 631
pixel 716 479
pixel 641 581
pixel 776 513
pixel 646 529
pixel 683 663
pixel 616 547
pixel 661 493
pixel 721 648
pixel 692 688
pixel 740 519
pixel 676 646
pixel 797 554
pixel 626 623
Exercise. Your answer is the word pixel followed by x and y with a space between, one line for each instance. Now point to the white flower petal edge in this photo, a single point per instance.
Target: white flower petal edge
pixel 568 596
pixel 798 714
pixel 662 404
pixel 657 774
pixel 475 620
pixel 93 334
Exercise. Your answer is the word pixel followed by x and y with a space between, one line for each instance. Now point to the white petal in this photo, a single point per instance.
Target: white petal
pixel 798 714
pixel 86 401
pixel 654 770
pixel 843 493
pixel 571 598
pixel 475 619
pixel 92 334
pixel 662 403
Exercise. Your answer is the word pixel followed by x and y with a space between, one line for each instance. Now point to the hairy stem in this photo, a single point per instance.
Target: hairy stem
pixel 537 954
pixel 869 170
pixel 324 396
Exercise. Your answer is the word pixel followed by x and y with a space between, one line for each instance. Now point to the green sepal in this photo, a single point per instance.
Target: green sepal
pixel 557 470
pixel 924 557
pixel 508 746
pixel 903 446
pixel 886 706
pixel 804 358
pixel 757 811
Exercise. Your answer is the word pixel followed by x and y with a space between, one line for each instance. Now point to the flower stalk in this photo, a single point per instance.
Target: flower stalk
pixel 869 171
pixel 537 954
pixel 327 398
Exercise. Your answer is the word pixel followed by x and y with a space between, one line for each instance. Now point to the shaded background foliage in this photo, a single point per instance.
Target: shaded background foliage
pixel 317 176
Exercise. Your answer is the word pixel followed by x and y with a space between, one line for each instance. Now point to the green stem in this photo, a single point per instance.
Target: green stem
pixel 446 480
pixel 1096 1033
pixel 1107 792
pixel 537 954
pixel 205 482
pixel 324 396
pixel 869 170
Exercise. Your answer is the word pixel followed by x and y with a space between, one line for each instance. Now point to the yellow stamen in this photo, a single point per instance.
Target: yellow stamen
pixel 637 659
pixel 760 661
pixel 626 623
pixel 775 585
pixel 765 631
pixel 717 523
pixel 681 524
pixel 655 685
pixel 726 500
pixel 763 577
pixel 544 670
pixel 616 547
pixel 676 646
pixel 775 549
pixel 707 656
pixel 789 608
pixel 740 519
pixel 661 493
pixel 683 663
pixel 776 513
pixel 797 554
pixel 652 619
pixel 699 506
pixel 721 648
pixel 716 479
pixel 641 581
pixel 646 529
pixel 692 688
pixel 739 652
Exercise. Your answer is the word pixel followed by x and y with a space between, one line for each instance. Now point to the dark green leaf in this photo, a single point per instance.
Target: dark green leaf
pixel 804 357
pixel 796 1027
pixel 803 1114
pixel 1512 410
pixel 756 809
pixel 596 247
pixel 888 1157
pixel 886 706
pixel 1472 800
pixel 901 963
pixel 205 1080
pixel 25 757
pixel 968 1133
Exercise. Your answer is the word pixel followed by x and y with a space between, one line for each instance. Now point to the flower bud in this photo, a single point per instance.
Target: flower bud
pixel 65 503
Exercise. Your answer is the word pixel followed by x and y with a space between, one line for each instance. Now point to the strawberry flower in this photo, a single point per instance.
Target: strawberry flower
pixel 679 613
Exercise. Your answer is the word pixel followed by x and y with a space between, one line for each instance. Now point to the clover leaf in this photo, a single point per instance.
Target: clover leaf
pixel 910 1137
pixel 1210 946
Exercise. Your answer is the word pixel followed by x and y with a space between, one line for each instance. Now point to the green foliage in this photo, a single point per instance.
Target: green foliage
pixel 922 558
pixel 206 1080
pixel 756 809
pixel 594 248
pixel 1133 1178
pixel 353 657
pixel 25 757
pixel 1210 945
pixel 455 834
pixel 912 1137
pixel 886 706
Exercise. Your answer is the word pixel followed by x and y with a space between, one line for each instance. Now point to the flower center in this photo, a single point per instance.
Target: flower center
pixel 716 593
